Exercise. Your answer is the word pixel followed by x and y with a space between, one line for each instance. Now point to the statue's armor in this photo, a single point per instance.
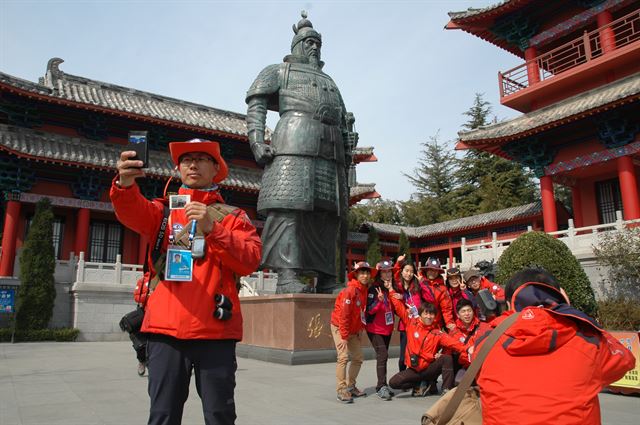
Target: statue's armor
pixel 308 170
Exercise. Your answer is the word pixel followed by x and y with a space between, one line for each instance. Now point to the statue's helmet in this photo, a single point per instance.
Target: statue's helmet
pixel 302 31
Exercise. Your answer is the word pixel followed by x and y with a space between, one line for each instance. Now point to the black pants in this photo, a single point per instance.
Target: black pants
pixel 409 378
pixel 403 347
pixel 380 344
pixel 170 362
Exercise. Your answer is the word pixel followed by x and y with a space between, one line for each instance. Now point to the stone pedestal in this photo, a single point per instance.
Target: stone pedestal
pixel 292 329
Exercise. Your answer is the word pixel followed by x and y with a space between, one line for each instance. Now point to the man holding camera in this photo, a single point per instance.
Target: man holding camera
pixel 549 366
pixel 187 332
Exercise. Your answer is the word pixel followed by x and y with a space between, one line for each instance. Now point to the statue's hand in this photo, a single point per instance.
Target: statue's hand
pixel 262 152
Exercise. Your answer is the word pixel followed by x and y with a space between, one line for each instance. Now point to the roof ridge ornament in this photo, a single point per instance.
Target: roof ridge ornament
pixel 53 73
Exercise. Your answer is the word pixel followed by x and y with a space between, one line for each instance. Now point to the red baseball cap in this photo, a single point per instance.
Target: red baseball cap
pixel 177 149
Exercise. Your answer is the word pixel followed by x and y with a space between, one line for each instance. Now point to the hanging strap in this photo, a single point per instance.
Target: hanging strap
pixel 157 250
pixel 471 373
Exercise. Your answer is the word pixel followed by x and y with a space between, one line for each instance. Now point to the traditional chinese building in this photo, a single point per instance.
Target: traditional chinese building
pixel 446 240
pixel 578 87
pixel 60 138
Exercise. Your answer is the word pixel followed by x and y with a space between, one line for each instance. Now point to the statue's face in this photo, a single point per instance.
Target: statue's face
pixel 311 48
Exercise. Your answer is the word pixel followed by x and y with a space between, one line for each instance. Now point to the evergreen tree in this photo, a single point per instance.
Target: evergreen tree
pixel 37 293
pixel 373 248
pixel 434 181
pixel 403 245
pixel 376 211
pixel 487 182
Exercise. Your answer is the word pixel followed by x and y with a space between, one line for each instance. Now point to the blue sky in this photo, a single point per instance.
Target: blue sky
pixel 402 75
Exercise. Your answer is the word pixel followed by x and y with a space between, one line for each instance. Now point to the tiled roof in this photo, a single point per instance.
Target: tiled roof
pixel 60 85
pixel 480 220
pixel 84 152
pixel 88 153
pixel 357 237
pixel 543 118
pixel 365 150
pixel 362 188
pixel 472 12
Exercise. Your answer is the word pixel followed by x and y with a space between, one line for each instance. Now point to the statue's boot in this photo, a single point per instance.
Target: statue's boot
pixel 327 284
pixel 289 282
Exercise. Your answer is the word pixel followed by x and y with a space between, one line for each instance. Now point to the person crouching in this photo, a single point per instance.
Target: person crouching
pixel 423 358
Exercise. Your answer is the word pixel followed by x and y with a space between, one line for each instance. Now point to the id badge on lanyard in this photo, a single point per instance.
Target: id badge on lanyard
pixel 179 265
pixel 413 310
pixel 388 318
pixel 363 319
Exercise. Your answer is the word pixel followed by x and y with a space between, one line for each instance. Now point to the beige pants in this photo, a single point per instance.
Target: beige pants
pixel 353 350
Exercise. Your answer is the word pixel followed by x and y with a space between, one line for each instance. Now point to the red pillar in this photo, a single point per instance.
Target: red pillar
pixel 142 248
pixel 533 71
pixel 607 36
pixel 628 188
pixel 548 204
pixel 576 203
pixel 11 218
pixel 82 230
pixel 450 256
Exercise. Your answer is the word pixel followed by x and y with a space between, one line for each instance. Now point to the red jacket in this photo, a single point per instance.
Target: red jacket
pixel 457 294
pixel 442 298
pixel 468 335
pixel 349 311
pixel 184 310
pixel 549 368
pixel 423 340
pixel 377 311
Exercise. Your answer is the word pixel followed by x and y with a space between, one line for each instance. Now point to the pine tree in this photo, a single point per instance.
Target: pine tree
pixel 434 181
pixel 487 182
pixel 37 293
pixel 403 245
pixel 373 248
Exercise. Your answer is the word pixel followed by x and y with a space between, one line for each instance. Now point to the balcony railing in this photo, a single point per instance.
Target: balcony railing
pixel 624 30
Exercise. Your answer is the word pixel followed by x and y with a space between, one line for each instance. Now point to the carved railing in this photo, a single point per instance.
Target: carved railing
pixel 107 273
pixel 625 31
pixel 580 241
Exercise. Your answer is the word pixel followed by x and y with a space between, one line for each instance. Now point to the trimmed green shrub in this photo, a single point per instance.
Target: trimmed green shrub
pixel 60 335
pixel 619 314
pixel 537 249
pixel 37 292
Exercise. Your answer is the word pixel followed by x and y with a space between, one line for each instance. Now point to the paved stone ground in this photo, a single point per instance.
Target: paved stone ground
pixel 96 383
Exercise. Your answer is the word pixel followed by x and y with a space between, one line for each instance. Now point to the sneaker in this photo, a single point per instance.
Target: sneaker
pixel 421 390
pixel 142 368
pixel 345 397
pixel 384 393
pixel 355 392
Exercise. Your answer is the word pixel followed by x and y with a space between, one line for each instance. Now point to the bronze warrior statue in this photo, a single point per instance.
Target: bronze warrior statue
pixel 304 192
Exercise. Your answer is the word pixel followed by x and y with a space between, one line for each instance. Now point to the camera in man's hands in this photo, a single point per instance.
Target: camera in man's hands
pixel 223 307
pixel 488 304
pixel 414 360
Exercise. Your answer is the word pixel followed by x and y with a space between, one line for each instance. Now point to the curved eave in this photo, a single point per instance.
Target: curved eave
pixel 116 112
pixel 497 141
pixel 365 158
pixel 106 168
pixel 478 24
pixel 368 195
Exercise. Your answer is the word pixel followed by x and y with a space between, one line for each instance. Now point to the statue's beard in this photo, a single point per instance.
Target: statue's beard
pixel 314 59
